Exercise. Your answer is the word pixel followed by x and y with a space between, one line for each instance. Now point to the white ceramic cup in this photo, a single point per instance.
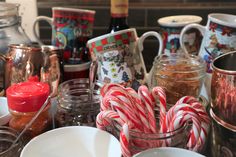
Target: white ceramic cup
pixel 219 37
pixel 119 56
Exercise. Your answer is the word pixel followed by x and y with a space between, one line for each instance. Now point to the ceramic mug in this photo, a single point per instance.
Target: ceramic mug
pixel 219 36
pixel 170 28
pixel 119 57
pixel 67 25
pixel 71 29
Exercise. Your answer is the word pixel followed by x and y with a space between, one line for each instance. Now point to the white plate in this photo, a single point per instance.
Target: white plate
pixel 168 152
pixel 74 141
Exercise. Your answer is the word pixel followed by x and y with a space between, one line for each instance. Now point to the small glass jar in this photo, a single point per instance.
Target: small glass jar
pixel 7 137
pixel 180 75
pixel 24 101
pixel 77 104
pixel 139 141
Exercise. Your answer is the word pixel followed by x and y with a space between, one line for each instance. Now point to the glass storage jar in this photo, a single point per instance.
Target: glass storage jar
pixel 140 141
pixel 11 31
pixel 7 137
pixel 24 101
pixel 179 74
pixel 75 104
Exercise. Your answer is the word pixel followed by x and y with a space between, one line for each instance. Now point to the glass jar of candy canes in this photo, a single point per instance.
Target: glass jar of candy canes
pixel 78 105
pixel 140 141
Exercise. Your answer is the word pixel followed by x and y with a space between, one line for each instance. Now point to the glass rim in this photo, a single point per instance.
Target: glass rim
pixel 14 134
pixel 141 135
pixel 199 65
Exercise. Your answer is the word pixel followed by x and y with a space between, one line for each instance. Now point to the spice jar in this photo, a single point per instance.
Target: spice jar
pixel 180 75
pixel 24 101
pixel 75 104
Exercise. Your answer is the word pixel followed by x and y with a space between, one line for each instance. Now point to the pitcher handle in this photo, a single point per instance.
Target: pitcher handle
pixel 140 48
pixel 201 28
pixel 39 18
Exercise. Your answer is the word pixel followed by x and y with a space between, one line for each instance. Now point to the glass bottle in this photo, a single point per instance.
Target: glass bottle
pixel 119 14
pixel 11 31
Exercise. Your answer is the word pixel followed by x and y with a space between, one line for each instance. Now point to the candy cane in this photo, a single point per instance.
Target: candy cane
pixel 105 88
pixel 104 118
pixel 125 113
pixel 124 141
pixel 148 101
pixel 140 108
pixel 159 92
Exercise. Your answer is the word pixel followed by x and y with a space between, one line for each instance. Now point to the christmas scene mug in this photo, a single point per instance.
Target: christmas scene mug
pixel 119 56
pixel 219 37
pixel 71 28
pixel 170 28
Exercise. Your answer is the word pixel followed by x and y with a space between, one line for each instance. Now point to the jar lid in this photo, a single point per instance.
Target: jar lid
pixel 179 20
pixel 27 96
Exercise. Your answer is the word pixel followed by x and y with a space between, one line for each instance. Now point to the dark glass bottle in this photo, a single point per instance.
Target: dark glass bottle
pixel 119 14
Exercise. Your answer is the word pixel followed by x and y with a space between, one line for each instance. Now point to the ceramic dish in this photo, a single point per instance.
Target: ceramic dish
pixel 74 141
pixel 4 113
pixel 168 152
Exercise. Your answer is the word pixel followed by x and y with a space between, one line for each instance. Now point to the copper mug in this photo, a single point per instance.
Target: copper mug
pixel 223 87
pixel 32 63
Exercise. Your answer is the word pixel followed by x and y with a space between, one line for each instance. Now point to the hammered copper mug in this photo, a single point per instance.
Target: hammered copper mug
pixel 223 87
pixel 32 63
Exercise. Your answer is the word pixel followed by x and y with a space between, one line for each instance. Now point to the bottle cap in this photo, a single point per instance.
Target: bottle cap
pixel 27 96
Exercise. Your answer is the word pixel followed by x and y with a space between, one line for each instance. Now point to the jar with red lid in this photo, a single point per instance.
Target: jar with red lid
pixel 24 101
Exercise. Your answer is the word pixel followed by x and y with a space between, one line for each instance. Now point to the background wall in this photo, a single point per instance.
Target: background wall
pixel 143 15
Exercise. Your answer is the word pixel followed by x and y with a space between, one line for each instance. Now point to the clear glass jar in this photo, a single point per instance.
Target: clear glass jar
pixel 75 106
pixel 24 101
pixel 11 31
pixel 179 75
pixel 139 141
pixel 7 137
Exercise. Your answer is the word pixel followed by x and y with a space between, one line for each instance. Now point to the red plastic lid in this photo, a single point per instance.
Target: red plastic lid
pixel 27 96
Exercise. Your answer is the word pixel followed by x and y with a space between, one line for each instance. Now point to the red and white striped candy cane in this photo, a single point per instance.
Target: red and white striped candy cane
pixel 159 94
pixel 180 119
pixel 181 113
pixel 125 112
pixel 148 101
pixel 186 100
pixel 104 119
pixel 106 87
pixel 124 141
pixel 140 109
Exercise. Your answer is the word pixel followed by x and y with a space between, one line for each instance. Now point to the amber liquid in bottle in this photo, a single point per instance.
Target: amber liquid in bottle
pixel 119 14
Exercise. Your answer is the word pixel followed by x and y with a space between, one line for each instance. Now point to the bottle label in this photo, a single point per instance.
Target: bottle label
pixel 119 8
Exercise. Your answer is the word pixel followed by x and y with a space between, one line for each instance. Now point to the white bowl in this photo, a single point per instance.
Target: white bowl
pixel 74 141
pixel 4 112
pixel 168 152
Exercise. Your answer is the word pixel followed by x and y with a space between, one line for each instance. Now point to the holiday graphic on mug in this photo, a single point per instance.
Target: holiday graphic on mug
pixel 116 65
pixel 219 40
